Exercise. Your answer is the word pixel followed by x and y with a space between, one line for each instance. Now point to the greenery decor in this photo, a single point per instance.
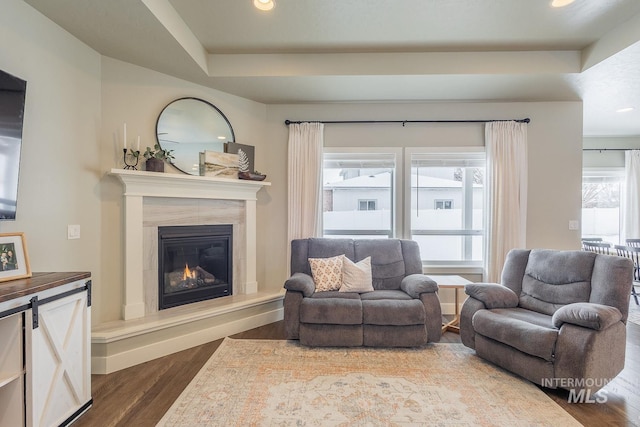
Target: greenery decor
pixel 158 153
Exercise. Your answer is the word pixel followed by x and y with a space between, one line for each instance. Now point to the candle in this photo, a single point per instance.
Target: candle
pixel 138 148
pixel 125 135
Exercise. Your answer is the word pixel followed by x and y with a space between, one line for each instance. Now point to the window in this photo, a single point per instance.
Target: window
pixel 443 204
pixel 433 197
pixel 359 194
pixel 601 191
pixel 447 205
pixel 366 205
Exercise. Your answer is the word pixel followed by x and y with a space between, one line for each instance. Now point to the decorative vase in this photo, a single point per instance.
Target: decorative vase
pixel 155 165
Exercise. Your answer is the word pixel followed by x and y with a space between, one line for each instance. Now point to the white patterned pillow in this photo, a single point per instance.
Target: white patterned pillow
pixel 327 273
pixel 356 277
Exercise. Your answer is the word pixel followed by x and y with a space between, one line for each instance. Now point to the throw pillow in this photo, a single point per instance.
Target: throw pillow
pixel 356 277
pixel 327 273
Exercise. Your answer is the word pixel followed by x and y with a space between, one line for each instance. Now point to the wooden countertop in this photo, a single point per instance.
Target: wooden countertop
pixel 36 283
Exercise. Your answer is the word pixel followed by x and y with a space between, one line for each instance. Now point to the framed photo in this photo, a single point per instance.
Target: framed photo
pixel 14 261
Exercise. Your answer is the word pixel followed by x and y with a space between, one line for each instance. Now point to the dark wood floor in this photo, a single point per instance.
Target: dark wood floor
pixel 140 395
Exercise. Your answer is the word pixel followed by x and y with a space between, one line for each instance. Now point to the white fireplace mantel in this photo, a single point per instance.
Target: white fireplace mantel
pixel 138 185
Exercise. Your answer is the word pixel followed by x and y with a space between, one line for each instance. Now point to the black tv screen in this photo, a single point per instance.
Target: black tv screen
pixel 12 97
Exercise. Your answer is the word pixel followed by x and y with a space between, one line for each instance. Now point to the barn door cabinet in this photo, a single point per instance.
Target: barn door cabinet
pixel 45 358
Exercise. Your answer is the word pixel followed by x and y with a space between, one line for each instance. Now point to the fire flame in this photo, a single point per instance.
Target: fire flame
pixel 188 274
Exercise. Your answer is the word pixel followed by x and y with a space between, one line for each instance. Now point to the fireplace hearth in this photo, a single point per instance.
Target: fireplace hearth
pixel 194 263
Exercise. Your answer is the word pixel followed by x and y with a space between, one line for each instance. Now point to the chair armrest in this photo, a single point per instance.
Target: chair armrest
pixel 416 284
pixel 301 282
pixel 588 315
pixel 492 295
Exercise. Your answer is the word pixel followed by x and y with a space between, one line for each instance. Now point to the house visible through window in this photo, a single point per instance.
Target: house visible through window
pixel 439 201
pixel 358 195
pixel 447 206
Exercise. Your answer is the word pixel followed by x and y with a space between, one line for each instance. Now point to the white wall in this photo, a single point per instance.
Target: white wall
pixel 60 165
pixel 555 156
pixel 136 96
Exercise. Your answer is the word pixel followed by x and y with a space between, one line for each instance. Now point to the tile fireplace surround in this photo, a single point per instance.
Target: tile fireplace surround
pixel 154 199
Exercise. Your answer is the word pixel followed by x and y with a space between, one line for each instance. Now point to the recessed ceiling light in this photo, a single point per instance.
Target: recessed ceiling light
pixel 624 110
pixel 264 4
pixel 561 3
pixel 221 137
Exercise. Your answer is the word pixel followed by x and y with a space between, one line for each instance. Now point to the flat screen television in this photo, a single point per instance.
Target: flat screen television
pixel 12 97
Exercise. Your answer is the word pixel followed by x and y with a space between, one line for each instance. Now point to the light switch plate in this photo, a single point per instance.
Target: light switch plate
pixel 73 231
pixel 574 225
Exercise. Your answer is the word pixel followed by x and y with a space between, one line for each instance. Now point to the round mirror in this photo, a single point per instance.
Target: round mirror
pixel 189 126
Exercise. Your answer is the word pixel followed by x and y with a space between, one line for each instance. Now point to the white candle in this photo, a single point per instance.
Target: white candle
pixel 138 148
pixel 125 135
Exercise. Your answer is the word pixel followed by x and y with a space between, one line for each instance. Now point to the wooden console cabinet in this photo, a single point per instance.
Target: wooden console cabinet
pixel 45 351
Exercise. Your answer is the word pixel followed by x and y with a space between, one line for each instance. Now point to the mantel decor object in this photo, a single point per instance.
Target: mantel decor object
pixel 132 155
pixel 156 157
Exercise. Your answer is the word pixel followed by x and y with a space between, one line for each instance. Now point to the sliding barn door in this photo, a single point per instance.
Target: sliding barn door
pixel 58 359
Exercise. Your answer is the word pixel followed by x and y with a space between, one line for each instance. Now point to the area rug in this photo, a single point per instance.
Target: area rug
pixel 280 383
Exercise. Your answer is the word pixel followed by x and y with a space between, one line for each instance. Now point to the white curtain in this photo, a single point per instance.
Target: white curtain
pixel 305 180
pixel 631 210
pixel 506 147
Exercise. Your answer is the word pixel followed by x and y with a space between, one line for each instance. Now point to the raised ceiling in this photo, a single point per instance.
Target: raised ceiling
pixel 381 50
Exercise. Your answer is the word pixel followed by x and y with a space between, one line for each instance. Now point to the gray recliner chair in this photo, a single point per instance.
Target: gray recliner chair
pixel 557 319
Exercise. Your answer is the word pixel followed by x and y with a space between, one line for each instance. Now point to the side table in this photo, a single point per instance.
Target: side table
pixel 456 283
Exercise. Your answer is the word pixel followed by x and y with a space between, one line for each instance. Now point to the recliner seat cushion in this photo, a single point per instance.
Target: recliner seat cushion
pixel 337 311
pixel 390 294
pixel 393 312
pixel 508 328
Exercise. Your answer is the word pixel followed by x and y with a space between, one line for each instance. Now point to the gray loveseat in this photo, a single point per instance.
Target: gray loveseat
pixel 402 311
pixel 558 318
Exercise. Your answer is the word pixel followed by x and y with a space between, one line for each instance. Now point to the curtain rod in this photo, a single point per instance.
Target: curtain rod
pixel 609 149
pixel 404 122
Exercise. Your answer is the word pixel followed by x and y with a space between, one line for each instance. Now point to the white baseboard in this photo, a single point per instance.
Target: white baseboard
pixel 115 354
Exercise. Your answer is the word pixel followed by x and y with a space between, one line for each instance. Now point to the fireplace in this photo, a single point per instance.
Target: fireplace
pixel 195 263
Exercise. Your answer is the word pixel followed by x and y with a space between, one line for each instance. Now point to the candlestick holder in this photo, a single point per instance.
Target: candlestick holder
pixel 132 155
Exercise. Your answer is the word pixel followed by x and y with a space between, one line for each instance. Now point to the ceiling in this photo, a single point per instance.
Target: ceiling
pixel 381 50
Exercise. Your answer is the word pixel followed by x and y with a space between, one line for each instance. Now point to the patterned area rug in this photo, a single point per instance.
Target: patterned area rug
pixel 268 383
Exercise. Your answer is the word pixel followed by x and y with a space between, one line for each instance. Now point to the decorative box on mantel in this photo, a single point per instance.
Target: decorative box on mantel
pixel 140 186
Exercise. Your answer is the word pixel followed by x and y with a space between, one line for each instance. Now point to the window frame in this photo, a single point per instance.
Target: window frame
pixel 617 172
pixel 458 265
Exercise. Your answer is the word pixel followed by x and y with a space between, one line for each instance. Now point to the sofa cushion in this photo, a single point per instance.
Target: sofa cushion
pixel 507 327
pixel 332 310
pixel 385 294
pixel 327 272
pixel 556 278
pixel 387 262
pixel 356 277
pixel 336 294
pixel 393 312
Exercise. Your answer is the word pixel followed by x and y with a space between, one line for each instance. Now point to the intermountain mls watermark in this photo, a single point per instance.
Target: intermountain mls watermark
pixel 580 388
